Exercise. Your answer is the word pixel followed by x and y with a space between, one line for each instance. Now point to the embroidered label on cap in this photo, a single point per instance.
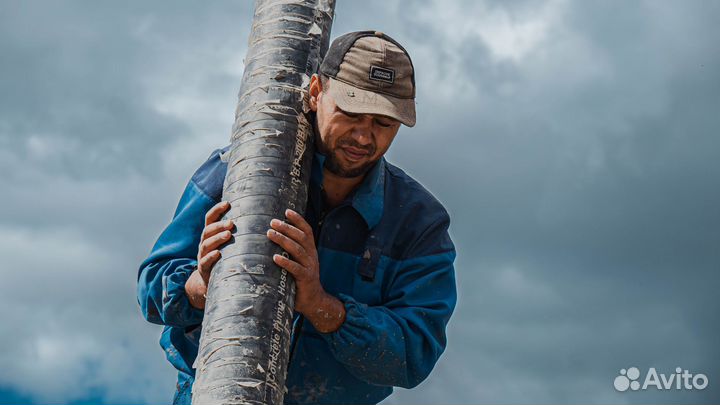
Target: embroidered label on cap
pixel 382 74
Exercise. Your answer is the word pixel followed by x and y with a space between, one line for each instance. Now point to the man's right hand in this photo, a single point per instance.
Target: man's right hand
pixel 213 236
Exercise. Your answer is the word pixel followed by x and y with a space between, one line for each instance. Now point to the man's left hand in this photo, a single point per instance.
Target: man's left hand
pixel 325 312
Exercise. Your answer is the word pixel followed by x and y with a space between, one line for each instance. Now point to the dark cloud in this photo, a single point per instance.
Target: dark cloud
pixel 586 232
pixel 83 79
pixel 97 142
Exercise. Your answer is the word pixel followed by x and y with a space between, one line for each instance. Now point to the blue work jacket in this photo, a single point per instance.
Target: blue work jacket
pixel 385 253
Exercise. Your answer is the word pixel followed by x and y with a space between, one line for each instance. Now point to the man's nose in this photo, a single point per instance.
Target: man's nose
pixel 362 133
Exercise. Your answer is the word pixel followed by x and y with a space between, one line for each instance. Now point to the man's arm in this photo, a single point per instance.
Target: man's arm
pixel 171 267
pixel 324 311
pixel 162 276
pixel 398 343
pixel 215 234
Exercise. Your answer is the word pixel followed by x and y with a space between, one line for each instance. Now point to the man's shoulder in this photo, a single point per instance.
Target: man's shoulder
pixel 403 191
pixel 209 177
pixel 414 216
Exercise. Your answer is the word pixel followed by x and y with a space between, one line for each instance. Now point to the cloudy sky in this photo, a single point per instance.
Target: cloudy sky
pixel 575 145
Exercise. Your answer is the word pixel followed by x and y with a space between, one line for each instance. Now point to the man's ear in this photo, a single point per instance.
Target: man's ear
pixel 314 91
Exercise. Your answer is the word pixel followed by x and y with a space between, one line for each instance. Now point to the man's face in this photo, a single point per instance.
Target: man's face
pixel 351 143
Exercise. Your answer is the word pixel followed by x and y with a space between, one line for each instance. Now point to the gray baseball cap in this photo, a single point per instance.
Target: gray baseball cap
pixel 371 73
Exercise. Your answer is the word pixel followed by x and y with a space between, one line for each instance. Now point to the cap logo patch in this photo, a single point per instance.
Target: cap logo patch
pixel 382 74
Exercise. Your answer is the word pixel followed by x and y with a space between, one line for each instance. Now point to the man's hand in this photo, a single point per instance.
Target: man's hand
pixel 325 312
pixel 215 234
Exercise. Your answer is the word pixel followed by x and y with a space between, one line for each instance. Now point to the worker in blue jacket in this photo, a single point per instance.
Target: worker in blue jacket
pixel 372 258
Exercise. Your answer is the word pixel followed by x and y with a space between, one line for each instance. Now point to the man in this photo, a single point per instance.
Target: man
pixel 372 259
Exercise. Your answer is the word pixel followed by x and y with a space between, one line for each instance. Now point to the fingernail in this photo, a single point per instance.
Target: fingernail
pixel 275 222
pixel 289 211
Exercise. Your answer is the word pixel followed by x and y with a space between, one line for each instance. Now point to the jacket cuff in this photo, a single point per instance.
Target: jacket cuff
pixel 356 323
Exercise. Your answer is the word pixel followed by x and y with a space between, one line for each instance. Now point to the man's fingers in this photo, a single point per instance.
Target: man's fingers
pixel 290 231
pixel 206 264
pixel 214 214
pixel 294 268
pixel 217 227
pixel 293 248
pixel 214 242
pixel 299 222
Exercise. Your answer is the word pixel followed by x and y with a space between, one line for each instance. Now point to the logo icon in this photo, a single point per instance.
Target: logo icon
pixel 627 379
pixel 382 74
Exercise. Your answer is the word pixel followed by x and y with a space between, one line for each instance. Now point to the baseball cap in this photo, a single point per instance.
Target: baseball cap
pixel 371 73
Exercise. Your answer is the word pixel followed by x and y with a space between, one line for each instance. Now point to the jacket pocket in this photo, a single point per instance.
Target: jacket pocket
pixel 368 286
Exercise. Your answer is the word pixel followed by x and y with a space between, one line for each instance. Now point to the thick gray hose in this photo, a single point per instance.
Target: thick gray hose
pixel 245 340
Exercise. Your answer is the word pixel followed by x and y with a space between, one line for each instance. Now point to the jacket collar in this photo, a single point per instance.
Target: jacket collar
pixel 368 198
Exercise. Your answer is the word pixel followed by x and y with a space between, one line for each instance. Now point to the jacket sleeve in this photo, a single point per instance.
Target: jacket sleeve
pixel 399 342
pixel 162 276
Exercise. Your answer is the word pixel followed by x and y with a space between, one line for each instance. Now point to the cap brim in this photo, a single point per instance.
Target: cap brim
pixel 359 101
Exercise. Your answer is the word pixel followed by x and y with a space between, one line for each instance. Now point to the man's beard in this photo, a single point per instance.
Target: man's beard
pixel 332 162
